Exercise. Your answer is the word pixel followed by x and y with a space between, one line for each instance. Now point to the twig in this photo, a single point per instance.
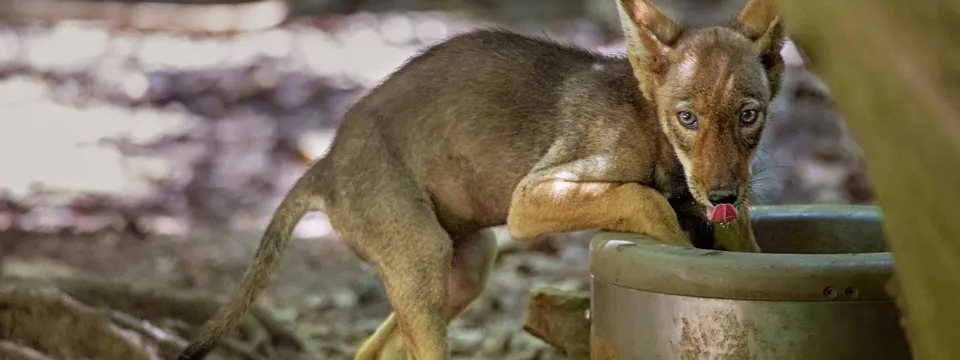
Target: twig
pixel 229 344
pixel 33 311
pixel 18 352
pixel 170 343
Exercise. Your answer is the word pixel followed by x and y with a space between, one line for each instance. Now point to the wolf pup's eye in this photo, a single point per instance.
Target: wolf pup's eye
pixel 687 119
pixel 748 117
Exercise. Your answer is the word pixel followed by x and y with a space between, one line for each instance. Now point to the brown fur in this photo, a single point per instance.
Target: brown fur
pixel 492 128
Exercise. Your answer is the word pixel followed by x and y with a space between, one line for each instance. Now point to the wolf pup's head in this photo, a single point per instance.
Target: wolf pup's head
pixel 711 87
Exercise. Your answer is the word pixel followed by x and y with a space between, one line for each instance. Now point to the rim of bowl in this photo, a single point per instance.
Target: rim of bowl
pixel 638 262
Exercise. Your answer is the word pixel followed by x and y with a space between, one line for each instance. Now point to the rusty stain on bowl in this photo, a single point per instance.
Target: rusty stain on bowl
pixel 730 342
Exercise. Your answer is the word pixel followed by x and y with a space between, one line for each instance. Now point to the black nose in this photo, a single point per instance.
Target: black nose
pixel 722 195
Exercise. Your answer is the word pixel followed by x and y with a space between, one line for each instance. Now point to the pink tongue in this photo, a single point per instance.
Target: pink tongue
pixel 722 213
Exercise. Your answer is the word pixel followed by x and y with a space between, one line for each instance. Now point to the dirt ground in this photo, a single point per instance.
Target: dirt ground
pixel 156 160
pixel 331 299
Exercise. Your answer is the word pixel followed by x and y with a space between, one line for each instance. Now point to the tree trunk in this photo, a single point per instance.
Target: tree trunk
pixel 894 70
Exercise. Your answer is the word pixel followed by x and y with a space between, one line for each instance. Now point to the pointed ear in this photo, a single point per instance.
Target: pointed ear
pixel 650 35
pixel 760 22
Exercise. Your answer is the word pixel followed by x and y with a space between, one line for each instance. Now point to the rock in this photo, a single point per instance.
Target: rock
pixel 285 314
pixel 317 302
pixel 560 318
pixel 344 299
pixel 466 340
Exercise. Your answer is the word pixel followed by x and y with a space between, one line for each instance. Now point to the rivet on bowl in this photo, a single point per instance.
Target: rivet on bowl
pixel 830 292
pixel 851 292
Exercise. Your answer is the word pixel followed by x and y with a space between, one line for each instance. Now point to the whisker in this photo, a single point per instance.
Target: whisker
pixel 778 113
pixel 760 195
pixel 767 183
pixel 761 171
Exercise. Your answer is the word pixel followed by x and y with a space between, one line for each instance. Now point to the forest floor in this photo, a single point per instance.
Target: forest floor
pixel 330 298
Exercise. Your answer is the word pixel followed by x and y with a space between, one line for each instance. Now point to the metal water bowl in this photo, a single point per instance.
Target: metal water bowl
pixel 816 293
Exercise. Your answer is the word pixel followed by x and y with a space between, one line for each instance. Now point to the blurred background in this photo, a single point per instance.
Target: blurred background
pixel 150 142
